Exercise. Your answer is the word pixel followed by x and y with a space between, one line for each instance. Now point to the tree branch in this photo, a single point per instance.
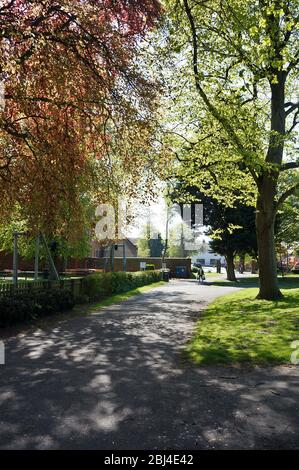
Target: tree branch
pixel 291 106
pixel 295 122
pixel 289 166
pixel 212 109
pixel 285 196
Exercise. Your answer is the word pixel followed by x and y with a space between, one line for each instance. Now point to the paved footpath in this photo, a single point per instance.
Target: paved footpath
pixel 114 380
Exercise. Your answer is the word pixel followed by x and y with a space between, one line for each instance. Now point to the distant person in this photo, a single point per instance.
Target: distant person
pixel 200 274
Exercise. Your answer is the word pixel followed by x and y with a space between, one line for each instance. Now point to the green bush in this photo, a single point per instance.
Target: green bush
pixel 32 305
pixel 150 267
pixel 99 286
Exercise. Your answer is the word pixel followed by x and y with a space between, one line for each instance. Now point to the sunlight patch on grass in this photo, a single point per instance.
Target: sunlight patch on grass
pixel 238 328
pixel 207 274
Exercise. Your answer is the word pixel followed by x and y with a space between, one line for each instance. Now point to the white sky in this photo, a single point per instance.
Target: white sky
pixel 157 214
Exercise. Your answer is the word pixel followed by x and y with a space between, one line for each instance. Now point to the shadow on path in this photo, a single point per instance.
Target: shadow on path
pixel 114 380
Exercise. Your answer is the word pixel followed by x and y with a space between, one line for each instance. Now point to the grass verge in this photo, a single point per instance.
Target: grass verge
pixel 286 282
pixel 238 328
pixel 207 275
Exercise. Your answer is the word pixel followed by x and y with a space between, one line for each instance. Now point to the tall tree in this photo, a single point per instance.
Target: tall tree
pixel 233 233
pixel 242 57
pixel 232 229
pixel 150 243
pixel 144 241
pixel 156 246
pixel 77 104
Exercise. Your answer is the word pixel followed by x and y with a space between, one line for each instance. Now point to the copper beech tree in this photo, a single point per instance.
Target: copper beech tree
pixel 75 97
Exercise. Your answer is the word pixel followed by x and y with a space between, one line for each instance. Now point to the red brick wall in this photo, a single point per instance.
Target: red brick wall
pixel 133 264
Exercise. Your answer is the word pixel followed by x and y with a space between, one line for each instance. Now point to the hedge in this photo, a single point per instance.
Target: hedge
pixel 99 286
pixel 30 306
pixel 150 267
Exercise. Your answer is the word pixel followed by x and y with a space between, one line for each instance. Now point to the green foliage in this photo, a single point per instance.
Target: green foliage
pixel 33 305
pixel 226 57
pixel 150 243
pixel 231 122
pixel 238 328
pixel 143 243
pixel 150 267
pixel 99 286
pixel 156 246
pixel 76 245
pixel 179 237
pixel 233 230
pixel 288 223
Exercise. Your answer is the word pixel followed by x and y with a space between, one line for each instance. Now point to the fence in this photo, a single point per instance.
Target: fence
pixel 73 285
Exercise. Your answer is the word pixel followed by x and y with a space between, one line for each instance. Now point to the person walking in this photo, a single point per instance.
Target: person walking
pixel 200 274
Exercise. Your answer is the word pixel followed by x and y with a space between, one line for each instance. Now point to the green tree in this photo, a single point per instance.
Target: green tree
pixel 156 246
pixel 287 227
pixel 237 66
pixel 233 233
pixel 150 243
pixel 144 241
pixel 232 229
pixel 176 243
pixel 181 243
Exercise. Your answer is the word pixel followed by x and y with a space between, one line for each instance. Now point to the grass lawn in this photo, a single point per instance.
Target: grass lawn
pixel 286 282
pixel 238 328
pixel 207 274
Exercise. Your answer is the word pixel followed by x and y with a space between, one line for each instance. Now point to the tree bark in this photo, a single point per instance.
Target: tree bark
pixel 267 190
pixel 265 219
pixel 230 267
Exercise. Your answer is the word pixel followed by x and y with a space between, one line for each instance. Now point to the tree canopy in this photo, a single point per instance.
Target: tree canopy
pixel 236 75
pixel 77 105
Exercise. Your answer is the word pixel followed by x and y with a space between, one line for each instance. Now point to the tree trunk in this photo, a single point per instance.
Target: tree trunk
pixel 265 219
pixel 242 264
pixel 230 267
pixel 267 189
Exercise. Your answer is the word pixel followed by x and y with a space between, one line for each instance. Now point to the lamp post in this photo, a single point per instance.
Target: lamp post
pixel 15 261
pixel 36 259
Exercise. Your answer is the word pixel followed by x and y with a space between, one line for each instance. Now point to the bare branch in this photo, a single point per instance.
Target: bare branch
pixel 289 166
pixel 295 122
pixel 291 106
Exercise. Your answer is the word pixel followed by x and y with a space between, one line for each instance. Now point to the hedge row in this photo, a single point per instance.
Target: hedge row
pixel 36 304
pixel 99 286
pixel 29 306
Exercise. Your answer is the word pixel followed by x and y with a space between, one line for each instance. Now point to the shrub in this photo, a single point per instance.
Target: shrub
pixel 150 267
pixel 98 286
pixel 32 305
